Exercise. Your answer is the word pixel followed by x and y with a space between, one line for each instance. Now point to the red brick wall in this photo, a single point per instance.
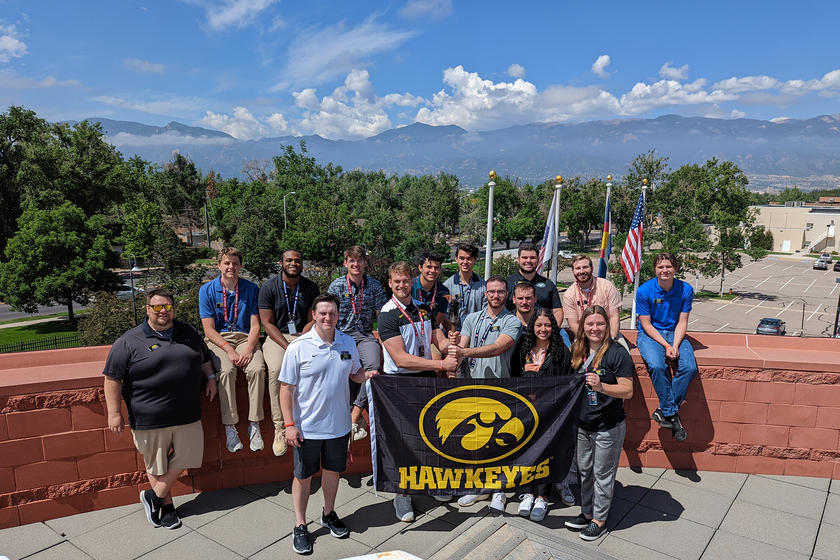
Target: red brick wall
pixel 759 405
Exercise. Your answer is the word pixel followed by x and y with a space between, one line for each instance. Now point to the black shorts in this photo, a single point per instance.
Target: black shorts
pixel 313 454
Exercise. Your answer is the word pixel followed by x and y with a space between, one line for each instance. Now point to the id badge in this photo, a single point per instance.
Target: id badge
pixel 422 352
pixel 292 328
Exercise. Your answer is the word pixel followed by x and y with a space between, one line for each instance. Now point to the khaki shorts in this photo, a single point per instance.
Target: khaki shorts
pixel 166 449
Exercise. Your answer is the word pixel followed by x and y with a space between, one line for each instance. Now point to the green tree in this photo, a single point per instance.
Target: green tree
pixel 58 256
pixel 106 320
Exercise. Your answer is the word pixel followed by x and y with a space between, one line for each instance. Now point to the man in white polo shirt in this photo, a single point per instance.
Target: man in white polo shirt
pixel 315 394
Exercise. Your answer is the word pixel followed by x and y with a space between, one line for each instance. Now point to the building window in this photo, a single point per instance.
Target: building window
pixel 809 227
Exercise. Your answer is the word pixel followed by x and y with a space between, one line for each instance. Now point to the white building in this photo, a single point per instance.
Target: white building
pixel 798 228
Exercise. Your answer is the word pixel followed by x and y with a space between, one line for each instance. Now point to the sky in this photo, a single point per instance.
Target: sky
pixel 349 70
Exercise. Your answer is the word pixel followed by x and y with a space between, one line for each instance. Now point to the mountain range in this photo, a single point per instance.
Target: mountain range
pixel 774 154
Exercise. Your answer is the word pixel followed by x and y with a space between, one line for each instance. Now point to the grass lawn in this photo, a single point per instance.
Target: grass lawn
pixel 715 295
pixel 38 317
pixel 37 331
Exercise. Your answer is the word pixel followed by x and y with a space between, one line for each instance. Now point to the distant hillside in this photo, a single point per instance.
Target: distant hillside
pixel 773 154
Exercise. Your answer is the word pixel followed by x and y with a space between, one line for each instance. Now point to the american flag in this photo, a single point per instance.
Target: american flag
pixel 631 256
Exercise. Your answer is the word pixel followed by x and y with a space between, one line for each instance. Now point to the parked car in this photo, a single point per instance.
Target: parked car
pixel 771 325
pixel 837 266
pixel 826 257
pixel 820 264
pixel 567 254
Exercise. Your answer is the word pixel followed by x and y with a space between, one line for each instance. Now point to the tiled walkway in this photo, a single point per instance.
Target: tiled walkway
pixel 656 514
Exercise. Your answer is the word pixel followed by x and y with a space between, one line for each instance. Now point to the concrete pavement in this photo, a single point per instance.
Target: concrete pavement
pixel 656 514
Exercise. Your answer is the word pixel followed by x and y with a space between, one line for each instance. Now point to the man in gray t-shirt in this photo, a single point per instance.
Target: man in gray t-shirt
pixel 488 339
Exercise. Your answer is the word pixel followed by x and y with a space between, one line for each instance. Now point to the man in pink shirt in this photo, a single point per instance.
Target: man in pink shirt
pixel 587 291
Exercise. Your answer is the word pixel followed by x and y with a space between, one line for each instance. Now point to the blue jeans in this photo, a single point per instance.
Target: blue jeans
pixel 671 392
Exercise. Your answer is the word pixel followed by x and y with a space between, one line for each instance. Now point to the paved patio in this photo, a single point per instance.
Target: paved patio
pixel 657 514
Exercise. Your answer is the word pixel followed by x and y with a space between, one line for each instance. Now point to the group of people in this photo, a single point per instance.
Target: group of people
pixel 320 348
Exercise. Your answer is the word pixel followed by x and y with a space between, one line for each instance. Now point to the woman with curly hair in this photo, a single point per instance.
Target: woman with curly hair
pixel 609 379
pixel 542 353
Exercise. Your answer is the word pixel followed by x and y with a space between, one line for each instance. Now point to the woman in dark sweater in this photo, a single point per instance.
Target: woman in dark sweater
pixel 609 380
pixel 542 352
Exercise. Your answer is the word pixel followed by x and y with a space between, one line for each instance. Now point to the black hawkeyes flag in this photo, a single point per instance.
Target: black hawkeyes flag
pixel 458 436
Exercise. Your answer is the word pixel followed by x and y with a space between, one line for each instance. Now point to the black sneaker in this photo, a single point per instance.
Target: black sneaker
pixel 300 542
pixel 593 531
pixel 168 517
pixel 660 419
pixel 152 504
pixel 579 522
pixel 336 526
pixel 677 429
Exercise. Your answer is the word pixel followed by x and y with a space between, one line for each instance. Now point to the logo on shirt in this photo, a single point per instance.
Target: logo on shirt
pixel 345 355
pixel 658 300
pixel 476 424
pixel 154 347
pixel 494 328
pixel 540 284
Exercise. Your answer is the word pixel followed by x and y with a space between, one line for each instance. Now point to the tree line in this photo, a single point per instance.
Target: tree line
pixel 70 199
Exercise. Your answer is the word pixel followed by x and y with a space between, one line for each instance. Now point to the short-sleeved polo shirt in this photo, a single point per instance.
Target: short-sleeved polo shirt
pixel 393 322
pixel 603 293
pixel 481 330
pixel 319 371
pixel 211 304
pixel 367 298
pixel 470 297
pixel 440 295
pixel 274 294
pixel 161 377
pixel 546 290
pixel 663 307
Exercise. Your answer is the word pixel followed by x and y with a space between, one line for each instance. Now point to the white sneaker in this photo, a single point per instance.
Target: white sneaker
pixel 443 499
pixel 539 511
pixel 255 436
pixel 233 443
pixel 498 501
pixel 470 499
pixel 358 432
pixel 403 508
pixel 526 502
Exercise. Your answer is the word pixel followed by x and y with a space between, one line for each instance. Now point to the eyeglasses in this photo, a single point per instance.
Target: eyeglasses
pixel 157 308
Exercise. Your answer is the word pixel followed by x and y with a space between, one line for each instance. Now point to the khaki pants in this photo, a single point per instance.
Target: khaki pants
pixel 274 361
pixel 227 379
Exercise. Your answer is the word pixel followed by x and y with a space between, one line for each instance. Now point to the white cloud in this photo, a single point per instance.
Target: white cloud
pixel 242 125
pixel 351 111
pixel 168 139
pixel 599 67
pixel 138 65
pixel 10 44
pixel 672 73
pixel 234 13
pixel 318 56
pixel 715 112
pixel 161 105
pixel 11 81
pixel 777 120
pixel 736 114
pixel 516 71
pixel 277 123
pixel 666 93
pixel 435 9
pixel 747 83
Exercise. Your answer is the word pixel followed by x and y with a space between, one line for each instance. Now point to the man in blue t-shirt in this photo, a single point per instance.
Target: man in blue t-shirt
pixel 662 305
pixel 230 317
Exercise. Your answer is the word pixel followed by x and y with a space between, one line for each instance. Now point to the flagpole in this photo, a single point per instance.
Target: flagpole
pixel 558 184
pixel 639 273
pixel 605 235
pixel 488 253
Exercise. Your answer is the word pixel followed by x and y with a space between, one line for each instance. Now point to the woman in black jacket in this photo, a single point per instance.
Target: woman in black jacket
pixel 609 379
pixel 542 352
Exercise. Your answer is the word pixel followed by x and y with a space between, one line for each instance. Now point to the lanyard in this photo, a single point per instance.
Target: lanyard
pixel 538 363
pixel 465 300
pixel 421 291
pixel 476 341
pixel 361 293
pixel 422 333
pixel 585 364
pixel 232 321
pixel 583 304
pixel 291 310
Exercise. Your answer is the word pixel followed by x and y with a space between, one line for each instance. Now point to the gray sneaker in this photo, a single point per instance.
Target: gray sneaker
pixel 403 508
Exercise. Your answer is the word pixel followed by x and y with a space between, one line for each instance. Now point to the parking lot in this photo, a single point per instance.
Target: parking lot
pixel 778 286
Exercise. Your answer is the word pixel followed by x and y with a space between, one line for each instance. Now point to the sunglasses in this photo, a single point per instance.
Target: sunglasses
pixel 158 307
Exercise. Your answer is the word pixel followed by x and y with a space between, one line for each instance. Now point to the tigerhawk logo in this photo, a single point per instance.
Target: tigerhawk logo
pixel 477 424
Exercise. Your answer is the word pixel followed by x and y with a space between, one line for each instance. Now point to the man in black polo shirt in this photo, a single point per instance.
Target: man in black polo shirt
pixel 284 302
pixel 546 290
pixel 157 367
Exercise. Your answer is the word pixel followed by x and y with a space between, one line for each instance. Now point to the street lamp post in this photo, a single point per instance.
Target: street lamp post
pixel 488 252
pixel 285 223
pixel 131 272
